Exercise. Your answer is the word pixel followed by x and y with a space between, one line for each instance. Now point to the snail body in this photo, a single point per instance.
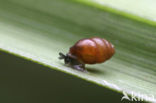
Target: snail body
pixel 88 51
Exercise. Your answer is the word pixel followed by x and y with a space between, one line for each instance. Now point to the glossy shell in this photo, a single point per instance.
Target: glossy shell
pixel 92 50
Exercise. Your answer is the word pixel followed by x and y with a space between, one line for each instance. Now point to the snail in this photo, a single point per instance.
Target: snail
pixel 88 51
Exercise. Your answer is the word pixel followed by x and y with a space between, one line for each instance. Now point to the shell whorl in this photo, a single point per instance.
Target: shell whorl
pixel 104 47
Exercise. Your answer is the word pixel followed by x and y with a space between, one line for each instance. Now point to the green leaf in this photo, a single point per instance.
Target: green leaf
pixel 141 10
pixel 38 31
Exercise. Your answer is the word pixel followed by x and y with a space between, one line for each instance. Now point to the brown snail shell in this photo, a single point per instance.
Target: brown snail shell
pixel 92 50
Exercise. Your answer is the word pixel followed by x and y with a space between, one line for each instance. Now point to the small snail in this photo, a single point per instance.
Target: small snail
pixel 88 51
